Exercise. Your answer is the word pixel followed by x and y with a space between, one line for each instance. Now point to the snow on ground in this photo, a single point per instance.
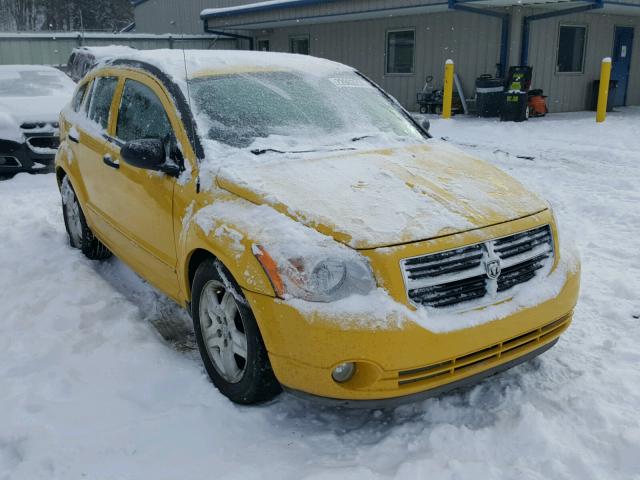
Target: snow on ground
pixel 89 388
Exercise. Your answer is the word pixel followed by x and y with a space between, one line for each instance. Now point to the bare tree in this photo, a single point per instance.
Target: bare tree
pixel 66 15
pixel 24 13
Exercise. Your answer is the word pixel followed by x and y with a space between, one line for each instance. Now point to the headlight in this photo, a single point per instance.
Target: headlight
pixel 556 227
pixel 324 279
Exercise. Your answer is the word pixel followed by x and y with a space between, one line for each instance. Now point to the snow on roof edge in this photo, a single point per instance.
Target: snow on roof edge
pixel 251 7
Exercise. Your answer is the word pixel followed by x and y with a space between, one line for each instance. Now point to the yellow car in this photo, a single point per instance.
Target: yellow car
pixel 321 240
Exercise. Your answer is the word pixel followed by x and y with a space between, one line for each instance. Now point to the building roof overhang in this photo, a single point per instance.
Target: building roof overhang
pixel 272 14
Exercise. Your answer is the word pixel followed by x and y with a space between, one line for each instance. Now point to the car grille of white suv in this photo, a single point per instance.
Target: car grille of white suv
pixel 484 272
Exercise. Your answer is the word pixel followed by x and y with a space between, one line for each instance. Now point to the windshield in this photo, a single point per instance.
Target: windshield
pixel 32 82
pixel 306 110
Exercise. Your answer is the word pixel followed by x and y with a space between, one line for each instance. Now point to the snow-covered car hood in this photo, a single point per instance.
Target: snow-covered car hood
pixel 383 197
pixel 34 109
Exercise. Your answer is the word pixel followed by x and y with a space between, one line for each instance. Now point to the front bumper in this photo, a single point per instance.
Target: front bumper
pixel 430 393
pixel 406 360
pixel 18 157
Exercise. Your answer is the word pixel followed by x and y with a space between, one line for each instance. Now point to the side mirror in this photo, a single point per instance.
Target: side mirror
pixel 425 125
pixel 150 154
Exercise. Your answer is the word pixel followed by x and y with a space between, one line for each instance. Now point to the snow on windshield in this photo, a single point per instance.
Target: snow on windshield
pixel 238 109
pixel 25 81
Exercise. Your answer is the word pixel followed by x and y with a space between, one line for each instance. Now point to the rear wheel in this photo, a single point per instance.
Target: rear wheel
pixel 228 337
pixel 80 235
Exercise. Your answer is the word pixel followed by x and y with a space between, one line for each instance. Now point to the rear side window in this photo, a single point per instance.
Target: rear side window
pixel 76 103
pixel 141 114
pixel 101 97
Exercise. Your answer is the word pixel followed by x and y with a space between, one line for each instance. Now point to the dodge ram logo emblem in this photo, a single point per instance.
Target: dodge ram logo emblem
pixel 493 269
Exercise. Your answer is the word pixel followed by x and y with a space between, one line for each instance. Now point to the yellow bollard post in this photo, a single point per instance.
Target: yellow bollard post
pixel 603 93
pixel 448 89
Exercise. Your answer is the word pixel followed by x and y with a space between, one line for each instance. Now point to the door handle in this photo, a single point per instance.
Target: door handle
pixel 73 138
pixel 109 162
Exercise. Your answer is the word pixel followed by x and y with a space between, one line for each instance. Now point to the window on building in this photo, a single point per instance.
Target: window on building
pixel 263 45
pixel 141 114
pixel 101 97
pixel 400 51
pixel 299 44
pixel 571 44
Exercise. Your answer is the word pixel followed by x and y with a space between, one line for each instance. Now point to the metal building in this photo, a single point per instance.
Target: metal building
pixel 399 42
pixel 54 48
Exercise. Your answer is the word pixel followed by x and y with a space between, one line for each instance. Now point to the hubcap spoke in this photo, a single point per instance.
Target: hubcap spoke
pixel 229 307
pixel 239 343
pixel 213 306
pixel 213 339
pixel 229 362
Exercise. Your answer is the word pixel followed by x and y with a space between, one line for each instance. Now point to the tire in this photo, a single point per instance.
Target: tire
pixel 228 337
pixel 424 109
pixel 80 235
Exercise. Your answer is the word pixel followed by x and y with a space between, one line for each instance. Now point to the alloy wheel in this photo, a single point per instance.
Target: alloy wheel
pixel 72 212
pixel 223 331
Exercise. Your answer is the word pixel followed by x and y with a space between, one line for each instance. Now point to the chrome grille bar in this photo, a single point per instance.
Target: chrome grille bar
pixel 485 271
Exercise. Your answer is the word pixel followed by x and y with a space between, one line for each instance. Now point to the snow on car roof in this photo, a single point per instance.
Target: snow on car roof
pixel 33 80
pixel 29 68
pixel 181 64
pixel 105 51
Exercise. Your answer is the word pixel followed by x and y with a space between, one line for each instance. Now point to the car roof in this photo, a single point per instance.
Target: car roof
pixel 29 68
pixel 104 51
pixel 188 64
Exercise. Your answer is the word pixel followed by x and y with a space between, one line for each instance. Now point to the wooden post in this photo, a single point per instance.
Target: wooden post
pixel 448 89
pixel 603 94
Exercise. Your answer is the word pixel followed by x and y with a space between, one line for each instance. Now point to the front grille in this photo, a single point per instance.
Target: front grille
pixel 38 125
pixel 6 161
pixel 510 348
pixel 44 142
pixel 483 271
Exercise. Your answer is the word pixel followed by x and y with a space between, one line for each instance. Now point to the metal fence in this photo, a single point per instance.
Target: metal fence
pixel 54 48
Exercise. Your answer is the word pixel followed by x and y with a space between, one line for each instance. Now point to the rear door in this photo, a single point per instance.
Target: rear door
pixel 90 131
pixel 622 44
pixel 140 202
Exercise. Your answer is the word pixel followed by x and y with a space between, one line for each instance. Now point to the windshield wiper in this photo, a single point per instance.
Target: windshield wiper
pixel 261 151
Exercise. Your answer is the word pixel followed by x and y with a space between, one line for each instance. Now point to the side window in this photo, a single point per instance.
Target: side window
pixel 76 103
pixel 101 97
pixel 85 105
pixel 141 114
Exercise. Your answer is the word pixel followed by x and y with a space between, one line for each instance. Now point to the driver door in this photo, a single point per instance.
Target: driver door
pixel 141 201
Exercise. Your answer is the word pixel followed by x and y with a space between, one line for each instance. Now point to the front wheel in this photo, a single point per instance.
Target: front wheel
pixel 80 235
pixel 228 337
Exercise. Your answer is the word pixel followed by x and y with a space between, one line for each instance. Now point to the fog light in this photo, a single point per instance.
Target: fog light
pixel 344 372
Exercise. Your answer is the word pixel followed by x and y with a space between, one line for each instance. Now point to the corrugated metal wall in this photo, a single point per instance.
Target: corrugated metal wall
pixel 169 16
pixel 569 91
pixel 54 49
pixel 438 37
pixel 471 40
pixel 322 10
